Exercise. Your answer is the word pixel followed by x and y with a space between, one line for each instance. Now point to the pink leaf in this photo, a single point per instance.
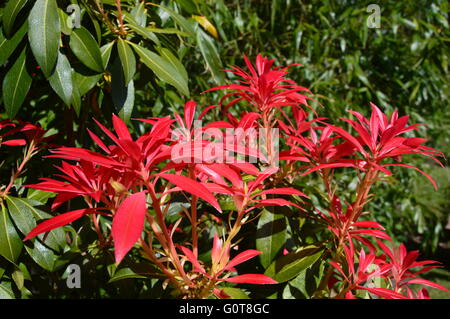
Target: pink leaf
pixel 427 283
pixel 121 128
pixel 251 279
pixel 367 224
pixel 58 221
pixel 242 257
pixel 194 261
pixel 283 191
pixel 422 172
pixel 371 232
pixel 189 113
pixel 128 223
pixel 384 293
pixel 275 202
pixel 17 142
pixel 192 187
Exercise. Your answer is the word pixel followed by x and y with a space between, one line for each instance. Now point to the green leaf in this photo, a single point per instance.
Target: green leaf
pixel 61 79
pixel 106 53
pixel 18 278
pixel 6 291
pixel 16 84
pixel 44 34
pixel 270 236
pixel 56 238
pixel 64 21
pixel 128 60
pixel 42 255
pixel 167 31
pixel 10 243
pixel 21 214
pixel 180 20
pixel 76 97
pixel 86 49
pixel 125 273
pixel 167 54
pixel 122 95
pixel 289 266
pixel 10 12
pixel 235 293
pixel 7 47
pixel 127 108
pixel 40 196
pixel 139 14
pixel 162 68
pixel 141 30
pixel 211 56
pixel 85 82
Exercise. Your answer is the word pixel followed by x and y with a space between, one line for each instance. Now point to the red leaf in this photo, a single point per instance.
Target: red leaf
pixel 194 261
pixel 384 293
pixel 216 188
pixel 216 249
pixel 349 138
pixel 251 279
pixel 121 128
pixel 78 154
pixel 427 283
pixel 283 191
pixel 17 142
pixel 371 232
pixel 192 187
pixel 242 257
pixel 189 113
pixel 367 224
pixel 128 223
pixel 422 172
pixel 57 221
pixel 275 202
pixel 329 165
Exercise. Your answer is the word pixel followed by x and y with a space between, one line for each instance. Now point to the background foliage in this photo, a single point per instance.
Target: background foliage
pixel 61 77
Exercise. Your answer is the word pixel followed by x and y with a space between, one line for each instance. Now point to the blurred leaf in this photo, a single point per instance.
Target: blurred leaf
pixel 18 278
pixel 6 291
pixel 181 21
pixel 139 14
pixel 207 25
pixel 211 56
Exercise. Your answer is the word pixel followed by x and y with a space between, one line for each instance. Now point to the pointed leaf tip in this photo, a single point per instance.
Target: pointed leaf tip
pixel 128 223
